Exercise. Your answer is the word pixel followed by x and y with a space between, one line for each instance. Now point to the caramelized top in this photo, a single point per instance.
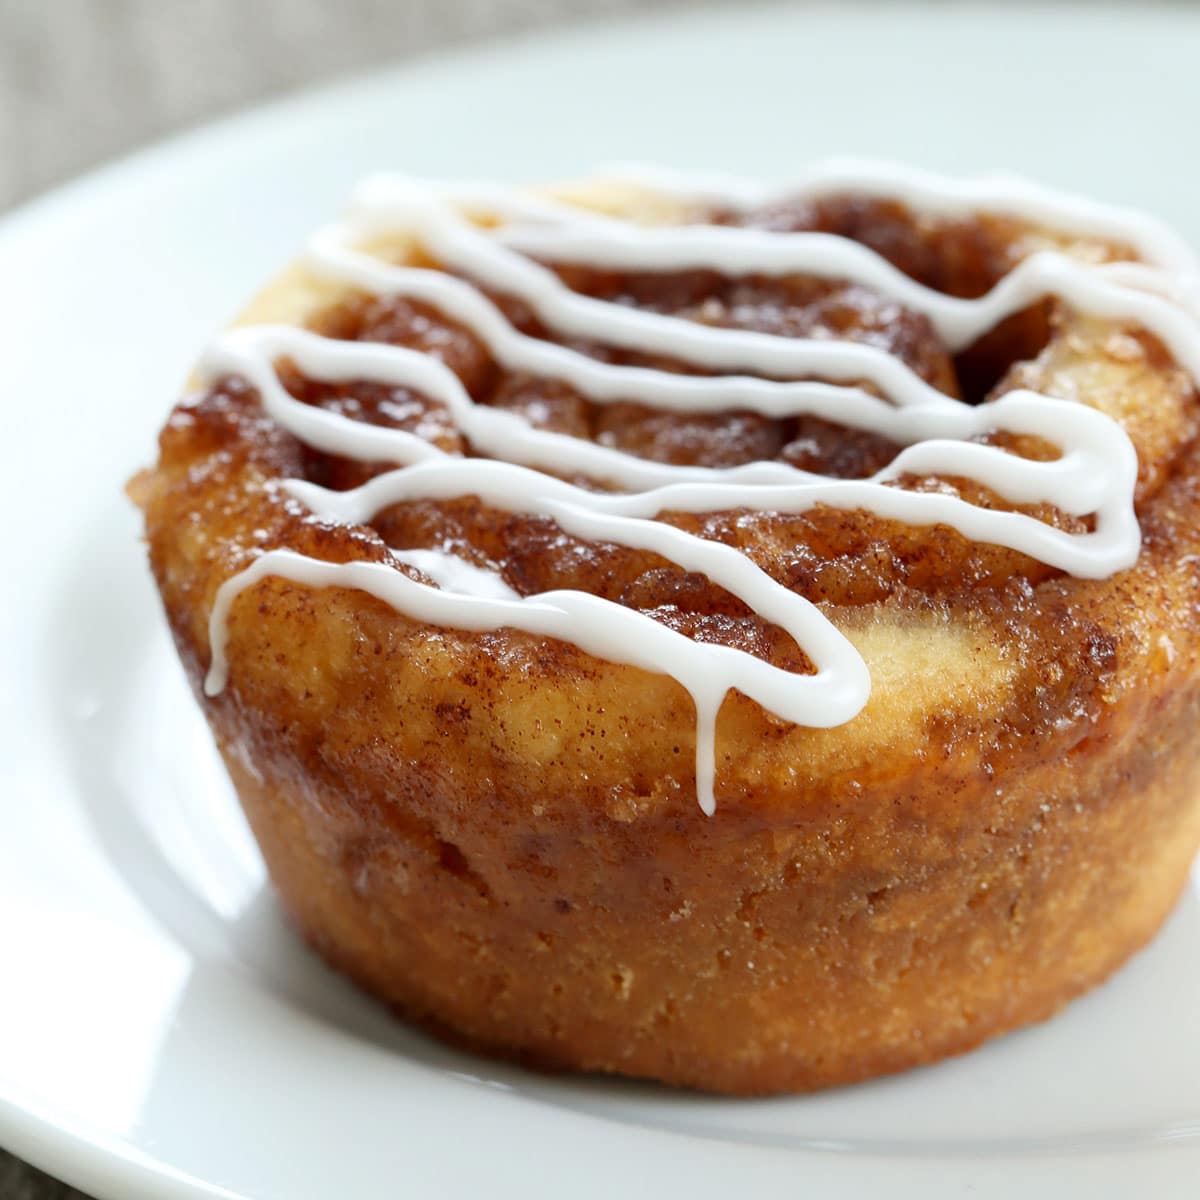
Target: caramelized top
pixel 858 566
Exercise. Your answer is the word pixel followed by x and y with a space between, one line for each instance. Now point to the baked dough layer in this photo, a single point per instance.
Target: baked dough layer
pixel 498 835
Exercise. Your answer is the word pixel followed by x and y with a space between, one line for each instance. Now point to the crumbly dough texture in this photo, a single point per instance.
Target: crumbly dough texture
pixel 498 835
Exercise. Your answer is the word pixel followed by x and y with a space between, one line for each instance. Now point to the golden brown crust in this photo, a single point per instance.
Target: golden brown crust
pixel 887 931
pixel 498 834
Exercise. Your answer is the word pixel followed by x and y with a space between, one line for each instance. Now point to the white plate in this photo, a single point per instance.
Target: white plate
pixel 161 1032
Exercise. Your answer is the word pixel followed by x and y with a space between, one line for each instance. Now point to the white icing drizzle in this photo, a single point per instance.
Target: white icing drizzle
pixel 734 251
pixel 1094 475
pixel 958 322
pixel 996 194
pixel 1078 482
pixel 462 246
pixel 605 383
pixel 454 574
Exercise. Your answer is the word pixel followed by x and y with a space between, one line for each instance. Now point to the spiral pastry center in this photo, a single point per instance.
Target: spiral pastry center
pixel 491 242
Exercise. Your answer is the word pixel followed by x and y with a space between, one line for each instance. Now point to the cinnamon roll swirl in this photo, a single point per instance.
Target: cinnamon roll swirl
pixel 744 637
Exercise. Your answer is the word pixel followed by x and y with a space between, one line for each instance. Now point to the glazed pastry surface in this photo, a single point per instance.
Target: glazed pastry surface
pixel 666 626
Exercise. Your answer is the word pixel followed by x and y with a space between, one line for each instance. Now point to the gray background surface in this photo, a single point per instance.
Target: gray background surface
pixel 84 80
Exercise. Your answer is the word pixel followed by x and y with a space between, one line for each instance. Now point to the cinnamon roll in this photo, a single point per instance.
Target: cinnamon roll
pixel 738 636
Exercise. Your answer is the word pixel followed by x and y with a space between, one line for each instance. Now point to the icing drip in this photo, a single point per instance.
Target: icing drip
pixel 1094 476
